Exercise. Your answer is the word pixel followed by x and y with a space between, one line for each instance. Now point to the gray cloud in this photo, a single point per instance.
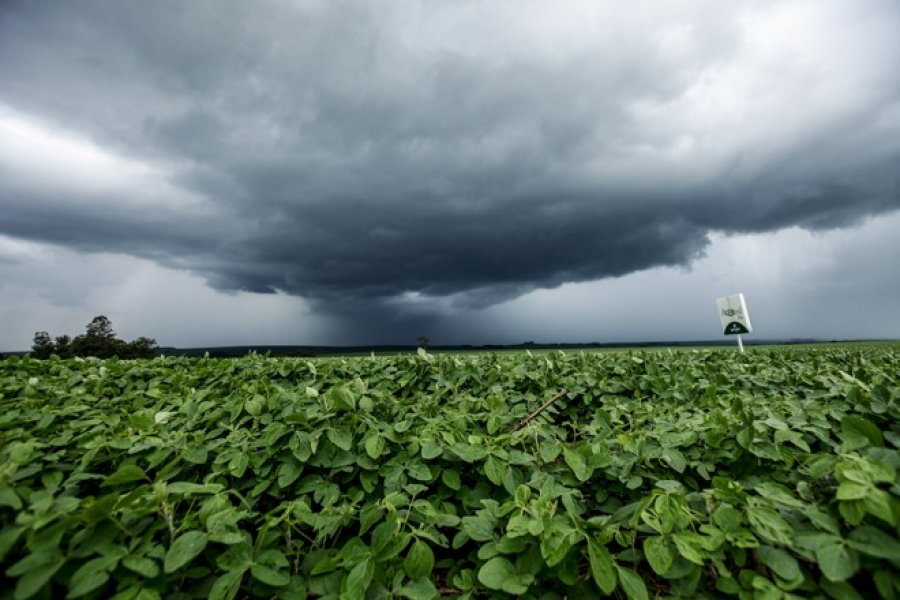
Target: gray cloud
pixel 365 158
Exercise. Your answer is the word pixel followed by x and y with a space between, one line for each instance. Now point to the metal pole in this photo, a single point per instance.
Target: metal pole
pixel 740 343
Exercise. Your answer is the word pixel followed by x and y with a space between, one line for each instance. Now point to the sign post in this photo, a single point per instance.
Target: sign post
pixel 734 317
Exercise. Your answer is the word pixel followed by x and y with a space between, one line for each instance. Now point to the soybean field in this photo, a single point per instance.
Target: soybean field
pixel 769 474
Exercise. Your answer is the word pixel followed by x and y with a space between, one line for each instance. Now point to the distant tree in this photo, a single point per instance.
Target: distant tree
pixel 79 346
pixel 43 345
pixel 63 346
pixel 299 353
pixel 98 340
pixel 100 328
pixel 423 342
pixel 143 347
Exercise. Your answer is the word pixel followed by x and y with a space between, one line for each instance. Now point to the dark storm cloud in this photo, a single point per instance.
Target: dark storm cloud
pixel 355 155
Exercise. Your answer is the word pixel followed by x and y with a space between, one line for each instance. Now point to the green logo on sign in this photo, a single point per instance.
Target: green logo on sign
pixel 734 328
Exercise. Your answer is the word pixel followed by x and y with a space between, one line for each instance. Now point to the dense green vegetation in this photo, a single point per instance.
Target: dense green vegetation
pixel 698 473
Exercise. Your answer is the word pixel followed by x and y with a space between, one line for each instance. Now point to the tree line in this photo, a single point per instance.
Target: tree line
pixel 99 340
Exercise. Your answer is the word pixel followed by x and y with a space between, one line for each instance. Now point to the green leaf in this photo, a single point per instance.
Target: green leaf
pixel 494 469
pixel 125 474
pixel 184 549
pixel 850 490
pixel 8 538
pixel 782 564
pixel 419 589
pixel 140 593
pixel 359 579
pixel 522 495
pixel 675 459
pixel 851 379
pixel 374 446
pixel 727 518
pixel 550 449
pixel 238 464
pixel 856 428
pixel 418 471
pixel 688 547
pixel 369 516
pixel 770 525
pixel 794 437
pixel 840 590
pixel 37 560
pixel 188 488
pixel 577 463
pixel 519 525
pixel 90 576
pixel 874 542
pixel 451 479
pixel 35 579
pixel 268 575
pixel 602 566
pixel 836 560
pixel 340 438
pixel 8 497
pixel 254 406
pixel 468 452
pixel 288 472
pixel 226 587
pixel 778 493
pixel 821 519
pixel 500 574
pixel 659 554
pixel 195 455
pixel 383 537
pixel 342 397
pixel 237 558
pixel 162 417
pixel 512 479
pixel 431 449
pixel 877 472
pixel 273 558
pixel 222 526
pixel 479 528
pixel 878 503
pixel 141 565
pixel 632 584
pixel 664 515
pixel 419 560
pixel 886 582
pixel 556 542
pixel 853 511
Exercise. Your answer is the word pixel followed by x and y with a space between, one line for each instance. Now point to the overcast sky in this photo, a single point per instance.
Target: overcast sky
pixel 317 172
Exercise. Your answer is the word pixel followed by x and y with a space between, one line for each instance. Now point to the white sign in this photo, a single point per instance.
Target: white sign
pixel 733 314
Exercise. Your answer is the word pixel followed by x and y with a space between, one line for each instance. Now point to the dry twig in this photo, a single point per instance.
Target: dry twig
pixel 539 410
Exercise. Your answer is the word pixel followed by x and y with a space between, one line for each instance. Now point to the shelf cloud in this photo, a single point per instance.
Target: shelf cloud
pixel 421 156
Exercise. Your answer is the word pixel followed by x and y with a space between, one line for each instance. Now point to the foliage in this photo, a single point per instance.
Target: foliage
pixel 43 345
pixel 99 341
pixel 768 474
